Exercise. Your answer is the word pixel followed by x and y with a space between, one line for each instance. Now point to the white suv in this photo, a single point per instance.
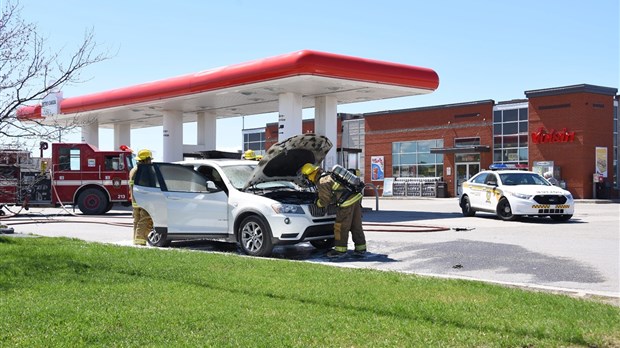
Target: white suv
pixel 255 204
pixel 513 193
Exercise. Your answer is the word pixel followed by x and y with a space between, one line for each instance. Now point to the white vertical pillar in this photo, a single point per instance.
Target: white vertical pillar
pixel 326 123
pixel 173 136
pixel 206 130
pixel 290 119
pixel 90 133
pixel 122 135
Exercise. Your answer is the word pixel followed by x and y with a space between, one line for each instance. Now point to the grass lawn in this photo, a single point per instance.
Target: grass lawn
pixel 57 292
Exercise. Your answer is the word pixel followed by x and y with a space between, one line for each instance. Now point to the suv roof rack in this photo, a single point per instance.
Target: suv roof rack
pixel 211 154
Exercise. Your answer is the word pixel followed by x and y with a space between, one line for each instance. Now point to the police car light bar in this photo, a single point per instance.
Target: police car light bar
pixel 500 166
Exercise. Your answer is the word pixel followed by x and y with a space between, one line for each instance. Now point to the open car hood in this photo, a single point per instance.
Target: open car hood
pixel 283 160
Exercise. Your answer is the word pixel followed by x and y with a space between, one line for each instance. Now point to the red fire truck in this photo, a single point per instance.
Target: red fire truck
pixel 76 174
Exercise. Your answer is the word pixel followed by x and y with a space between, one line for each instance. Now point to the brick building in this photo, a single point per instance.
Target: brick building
pixel 571 131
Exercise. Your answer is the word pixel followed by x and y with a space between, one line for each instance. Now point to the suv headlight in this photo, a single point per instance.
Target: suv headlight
pixel 521 195
pixel 287 208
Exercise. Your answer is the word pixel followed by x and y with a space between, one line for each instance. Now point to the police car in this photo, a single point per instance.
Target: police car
pixel 257 204
pixel 511 194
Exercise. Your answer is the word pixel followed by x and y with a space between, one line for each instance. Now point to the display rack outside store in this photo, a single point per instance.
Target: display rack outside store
pixel 415 187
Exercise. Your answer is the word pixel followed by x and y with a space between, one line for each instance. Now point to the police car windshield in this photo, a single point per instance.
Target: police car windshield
pixel 512 179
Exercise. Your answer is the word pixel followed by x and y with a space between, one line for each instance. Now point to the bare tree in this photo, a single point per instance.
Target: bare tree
pixel 29 70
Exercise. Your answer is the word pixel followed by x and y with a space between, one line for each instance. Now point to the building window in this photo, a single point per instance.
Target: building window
pixel 510 134
pixel 254 139
pixel 414 159
pixel 351 154
pixel 466 142
pixel 466 157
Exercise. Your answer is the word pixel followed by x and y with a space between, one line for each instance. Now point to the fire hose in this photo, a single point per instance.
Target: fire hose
pixel 368 227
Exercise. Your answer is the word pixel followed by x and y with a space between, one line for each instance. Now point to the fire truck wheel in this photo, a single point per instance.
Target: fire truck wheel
pixel 92 202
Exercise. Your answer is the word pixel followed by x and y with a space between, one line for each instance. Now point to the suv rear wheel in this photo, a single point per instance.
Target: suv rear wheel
pixel 158 239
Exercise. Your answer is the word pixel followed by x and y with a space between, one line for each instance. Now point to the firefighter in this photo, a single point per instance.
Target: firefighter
pixel 348 211
pixel 142 222
pixel 251 155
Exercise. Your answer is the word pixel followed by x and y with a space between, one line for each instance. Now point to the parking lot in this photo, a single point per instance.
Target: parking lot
pixel 427 237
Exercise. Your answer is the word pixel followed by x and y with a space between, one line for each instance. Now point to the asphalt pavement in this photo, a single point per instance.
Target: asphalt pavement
pixel 424 236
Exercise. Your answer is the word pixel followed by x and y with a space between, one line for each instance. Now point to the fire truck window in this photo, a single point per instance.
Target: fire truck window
pixel 131 162
pixel 111 163
pixel 74 156
pixel 63 159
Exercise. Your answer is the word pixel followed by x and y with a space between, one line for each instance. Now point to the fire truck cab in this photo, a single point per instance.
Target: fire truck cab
pixel 77 174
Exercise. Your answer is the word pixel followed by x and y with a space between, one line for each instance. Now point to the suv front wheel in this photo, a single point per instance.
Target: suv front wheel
pixel 255 236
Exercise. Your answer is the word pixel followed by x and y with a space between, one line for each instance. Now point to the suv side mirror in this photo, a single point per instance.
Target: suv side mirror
pixel 211 186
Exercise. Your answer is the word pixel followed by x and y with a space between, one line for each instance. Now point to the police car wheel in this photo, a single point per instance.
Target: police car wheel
pixel 466 207
pixel 504 211
pixel 255 236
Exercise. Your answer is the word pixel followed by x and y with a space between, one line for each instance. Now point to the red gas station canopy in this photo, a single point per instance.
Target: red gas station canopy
pixel 247 89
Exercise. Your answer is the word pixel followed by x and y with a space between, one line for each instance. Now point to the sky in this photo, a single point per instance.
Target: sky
pixel 481 49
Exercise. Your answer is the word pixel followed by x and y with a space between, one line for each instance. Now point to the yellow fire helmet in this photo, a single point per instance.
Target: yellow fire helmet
pixel 249 155
pixel 310 171
pixel 144 154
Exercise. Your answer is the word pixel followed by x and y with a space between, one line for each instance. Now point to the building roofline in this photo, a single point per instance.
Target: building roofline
pixel 582 88
pixel 434 107
pixel 512 101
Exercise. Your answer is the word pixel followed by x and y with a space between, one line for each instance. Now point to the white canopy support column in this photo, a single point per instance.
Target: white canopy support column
pixel 326 123
pixel 173 136
pixel 122 135
pixel 290 119
pixel 90 133
pixel 206 129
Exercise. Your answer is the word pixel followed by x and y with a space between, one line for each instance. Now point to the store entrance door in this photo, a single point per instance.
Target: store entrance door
pixel 465 171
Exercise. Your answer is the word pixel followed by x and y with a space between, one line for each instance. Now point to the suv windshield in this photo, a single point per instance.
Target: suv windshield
pixel 240 174
pixel 511 179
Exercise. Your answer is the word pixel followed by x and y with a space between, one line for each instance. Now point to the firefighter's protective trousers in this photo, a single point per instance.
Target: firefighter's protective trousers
pixel 142 222
pixel 348 217
pixel 142 225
